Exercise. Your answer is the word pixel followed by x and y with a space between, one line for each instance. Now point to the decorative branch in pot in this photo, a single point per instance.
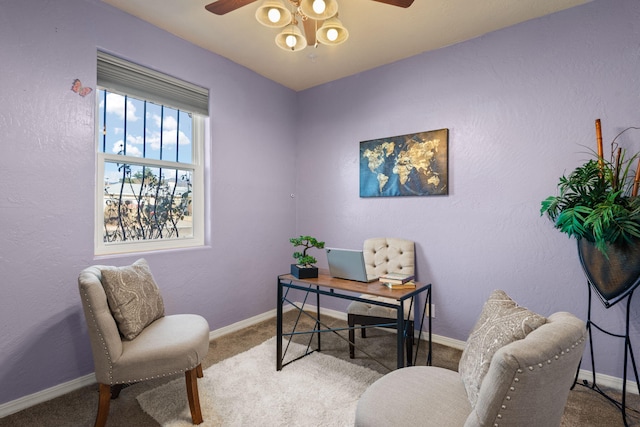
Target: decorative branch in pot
pixel 598 204
pixel 304 268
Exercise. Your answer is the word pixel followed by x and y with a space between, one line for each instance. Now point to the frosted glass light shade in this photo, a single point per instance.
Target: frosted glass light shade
pixel 319 6
pixel 267 8
pixel 332 32
pixel 330 9
pixel 291 39
pixel 273 15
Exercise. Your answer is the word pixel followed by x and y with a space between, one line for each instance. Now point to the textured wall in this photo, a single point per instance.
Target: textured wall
pixel 48 175
pixel 520 105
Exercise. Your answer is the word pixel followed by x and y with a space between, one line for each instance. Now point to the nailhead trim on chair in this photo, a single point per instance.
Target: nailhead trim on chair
pixel 156 376
pixel 106 352
pixel 104 345
pixel 531 368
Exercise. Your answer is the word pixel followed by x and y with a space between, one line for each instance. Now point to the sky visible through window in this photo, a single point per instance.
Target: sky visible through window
pixel 149 131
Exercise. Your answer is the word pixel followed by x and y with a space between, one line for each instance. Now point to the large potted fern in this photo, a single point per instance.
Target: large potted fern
pixel 597 204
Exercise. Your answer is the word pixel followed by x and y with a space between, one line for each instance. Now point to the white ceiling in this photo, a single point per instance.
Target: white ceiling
pixel 378 33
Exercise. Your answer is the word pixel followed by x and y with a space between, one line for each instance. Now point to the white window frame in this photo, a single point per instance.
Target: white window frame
pixel 199 122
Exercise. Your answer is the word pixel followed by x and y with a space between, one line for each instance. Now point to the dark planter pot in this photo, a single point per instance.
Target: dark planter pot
pixel 304 272
pixel 614 277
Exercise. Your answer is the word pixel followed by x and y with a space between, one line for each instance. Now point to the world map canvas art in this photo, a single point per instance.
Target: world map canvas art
pixel 406 165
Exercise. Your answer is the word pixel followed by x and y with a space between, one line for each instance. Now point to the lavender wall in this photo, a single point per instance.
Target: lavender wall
pixel 519 104
pixel 48 175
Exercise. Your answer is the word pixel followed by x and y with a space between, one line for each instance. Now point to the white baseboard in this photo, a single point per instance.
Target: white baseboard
pixel 609 381
pixel 446 341
pixel 44 395
pixel 69 386
pixel 246 323
pixel 64 388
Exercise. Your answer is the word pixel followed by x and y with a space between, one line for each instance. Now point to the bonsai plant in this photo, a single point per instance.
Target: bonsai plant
pixel 597 204
pixel 304 267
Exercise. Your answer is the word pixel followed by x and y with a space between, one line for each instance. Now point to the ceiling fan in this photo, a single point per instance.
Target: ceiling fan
pixel 311 21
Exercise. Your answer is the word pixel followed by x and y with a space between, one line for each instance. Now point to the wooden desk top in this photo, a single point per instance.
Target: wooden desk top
pixel 376 288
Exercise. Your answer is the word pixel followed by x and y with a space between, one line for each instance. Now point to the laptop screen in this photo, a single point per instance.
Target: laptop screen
pixel 347 264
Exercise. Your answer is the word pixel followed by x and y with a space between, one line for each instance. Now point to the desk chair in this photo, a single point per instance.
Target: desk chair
pixel 381 256
pixel 131 338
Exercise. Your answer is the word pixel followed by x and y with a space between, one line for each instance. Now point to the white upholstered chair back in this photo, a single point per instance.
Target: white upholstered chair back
pixel 388 255
pixel 383 255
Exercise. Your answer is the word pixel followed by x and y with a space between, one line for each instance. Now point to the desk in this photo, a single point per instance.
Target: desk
pixel 344 289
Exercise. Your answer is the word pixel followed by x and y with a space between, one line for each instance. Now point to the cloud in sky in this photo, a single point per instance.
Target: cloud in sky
pixel 132 150
pixel 115 105
pixel 169 133
pixel 170 122
pixel 168 139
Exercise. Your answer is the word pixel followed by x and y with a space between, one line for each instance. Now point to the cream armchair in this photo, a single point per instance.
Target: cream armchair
pixel 524 383
pixel 166 346
pixel 383 255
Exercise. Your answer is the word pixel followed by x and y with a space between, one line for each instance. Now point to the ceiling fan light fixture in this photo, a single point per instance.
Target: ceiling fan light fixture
pixel 273 14
pixel 276 14
pixel 332 32
pixel 319 9
pixel 291 39
pixel 319 6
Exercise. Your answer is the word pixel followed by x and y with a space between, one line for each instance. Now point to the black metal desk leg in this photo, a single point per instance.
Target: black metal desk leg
pixel 428 301
pixel 318 316
pixel 400 332
pixel 279 328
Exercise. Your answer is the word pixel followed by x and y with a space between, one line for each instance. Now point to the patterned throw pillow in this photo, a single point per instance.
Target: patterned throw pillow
pixel 501 322
pixel 133 297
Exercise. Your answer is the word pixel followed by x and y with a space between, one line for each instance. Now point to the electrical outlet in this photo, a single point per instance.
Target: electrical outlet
pixel 433 311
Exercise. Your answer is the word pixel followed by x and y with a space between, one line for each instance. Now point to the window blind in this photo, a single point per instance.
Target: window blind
pixel 122 76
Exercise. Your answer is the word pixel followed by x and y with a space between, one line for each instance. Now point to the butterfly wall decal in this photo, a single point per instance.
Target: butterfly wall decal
pixel 79 89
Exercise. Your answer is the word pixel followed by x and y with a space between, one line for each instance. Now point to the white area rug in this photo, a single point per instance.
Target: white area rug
pixel 246 390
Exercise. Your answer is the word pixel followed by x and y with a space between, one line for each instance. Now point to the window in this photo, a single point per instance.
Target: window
pixel 150 145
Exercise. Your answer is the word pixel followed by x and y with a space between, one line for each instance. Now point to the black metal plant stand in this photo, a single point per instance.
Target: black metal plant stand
pixel 628 355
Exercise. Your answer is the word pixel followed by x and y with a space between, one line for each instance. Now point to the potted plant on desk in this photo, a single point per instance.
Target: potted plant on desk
pixel 304 268
pixel 598 205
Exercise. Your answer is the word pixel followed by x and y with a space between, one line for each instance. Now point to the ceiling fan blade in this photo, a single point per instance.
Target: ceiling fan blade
pixel 399 3
pixel 222 7
pixel 310 31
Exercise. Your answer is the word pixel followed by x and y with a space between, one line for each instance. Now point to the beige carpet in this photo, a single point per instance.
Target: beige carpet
pixel 585 408
pixel 246 390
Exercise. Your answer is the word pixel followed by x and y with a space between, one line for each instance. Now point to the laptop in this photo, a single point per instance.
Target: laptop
pixel 347 264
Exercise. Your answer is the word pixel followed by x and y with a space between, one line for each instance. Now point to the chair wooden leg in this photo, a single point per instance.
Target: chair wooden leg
pixel 115 390
pixel 192 394
pixel 103 405
pixel 199 371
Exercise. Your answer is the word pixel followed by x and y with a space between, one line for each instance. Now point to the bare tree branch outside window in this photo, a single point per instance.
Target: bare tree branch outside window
pixel 148 203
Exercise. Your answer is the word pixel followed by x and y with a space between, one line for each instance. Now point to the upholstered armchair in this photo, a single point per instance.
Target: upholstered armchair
pixel 381 256
pixel 516 371
pixel 131 338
